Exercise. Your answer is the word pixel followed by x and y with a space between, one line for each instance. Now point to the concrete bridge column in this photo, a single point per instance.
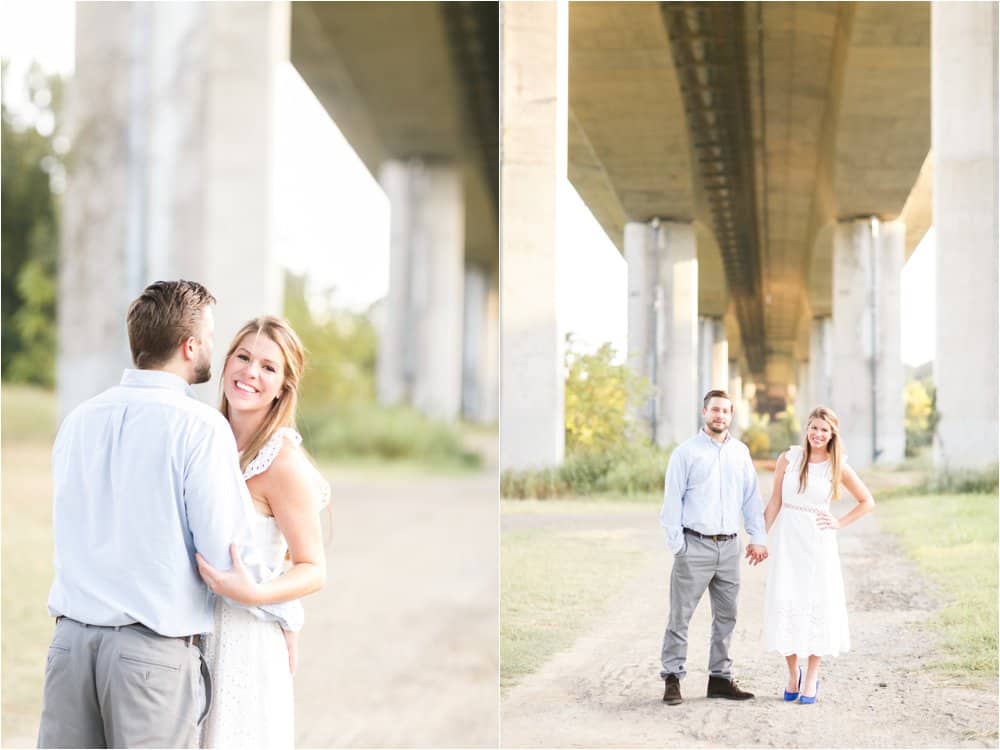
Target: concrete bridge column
pixel 534 47
pixel 803 399
pixel 820 388
pixel 964 140
pixel 643 268
pixel 420 350
pixel 719 375
pixel 172 120
pixel 678 400
pixel 741 407
pixel 867 363
pixel 479 359
pixel 713 356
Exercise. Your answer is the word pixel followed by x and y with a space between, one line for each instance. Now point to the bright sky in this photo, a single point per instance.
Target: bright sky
pixel 331 217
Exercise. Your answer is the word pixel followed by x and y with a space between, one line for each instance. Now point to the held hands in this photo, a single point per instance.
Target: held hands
pixel 756 554
pixel 292 641
pixel 827 522
pixel 235 583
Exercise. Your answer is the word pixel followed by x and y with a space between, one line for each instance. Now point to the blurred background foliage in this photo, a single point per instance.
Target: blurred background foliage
pixel 33 178
pixel 606 452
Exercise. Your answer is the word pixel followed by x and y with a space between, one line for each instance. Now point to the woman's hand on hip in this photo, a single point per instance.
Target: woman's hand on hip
pixel 827 522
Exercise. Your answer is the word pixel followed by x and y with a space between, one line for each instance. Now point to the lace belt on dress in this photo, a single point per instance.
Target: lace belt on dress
pixel 806 508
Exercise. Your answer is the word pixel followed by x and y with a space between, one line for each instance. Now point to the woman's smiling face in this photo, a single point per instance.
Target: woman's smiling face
pixel 254 374
pixel 819 433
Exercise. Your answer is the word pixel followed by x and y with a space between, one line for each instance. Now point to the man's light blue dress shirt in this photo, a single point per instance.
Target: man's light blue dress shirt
pixel 707 486
pixel 144 475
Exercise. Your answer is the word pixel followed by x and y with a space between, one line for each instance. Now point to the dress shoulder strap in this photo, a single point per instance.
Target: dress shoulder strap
pixel 269 451
pixel 794 455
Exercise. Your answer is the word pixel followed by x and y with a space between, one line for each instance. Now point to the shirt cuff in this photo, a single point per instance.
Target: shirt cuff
pixel 760 539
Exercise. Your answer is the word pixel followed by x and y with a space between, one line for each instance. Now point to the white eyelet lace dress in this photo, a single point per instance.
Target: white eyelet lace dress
pixel 252 697
pixel 805 610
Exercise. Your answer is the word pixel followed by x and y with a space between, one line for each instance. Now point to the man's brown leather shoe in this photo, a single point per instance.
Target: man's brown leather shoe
pixel 672 695
pixel 720 687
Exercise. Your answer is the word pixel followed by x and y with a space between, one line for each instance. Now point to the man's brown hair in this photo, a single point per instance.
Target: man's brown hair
pixel 166 314
pixel 715 394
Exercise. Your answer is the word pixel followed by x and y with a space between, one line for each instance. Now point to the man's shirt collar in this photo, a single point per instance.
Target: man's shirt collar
pixel 156 379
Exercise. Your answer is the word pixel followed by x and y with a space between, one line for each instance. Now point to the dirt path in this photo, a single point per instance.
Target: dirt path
pixel 605 690
pixel 399 649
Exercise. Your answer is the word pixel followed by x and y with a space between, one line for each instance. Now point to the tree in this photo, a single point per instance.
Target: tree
pixel 341 348
pixel 599 396
pixel 32 175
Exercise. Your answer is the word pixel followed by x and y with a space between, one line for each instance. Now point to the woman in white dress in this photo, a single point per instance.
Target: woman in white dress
pixel 252 658
pixel 805 611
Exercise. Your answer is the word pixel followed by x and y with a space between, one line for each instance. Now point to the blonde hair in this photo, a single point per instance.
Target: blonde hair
pixel 282 411
pixel 833 448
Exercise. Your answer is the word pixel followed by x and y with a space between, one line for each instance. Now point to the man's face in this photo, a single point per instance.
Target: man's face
pixel 717 415
pixel 203 364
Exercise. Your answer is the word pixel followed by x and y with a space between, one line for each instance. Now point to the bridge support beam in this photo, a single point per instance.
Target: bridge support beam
pixel 534 115
pixel 964 139
pixel 479 350
pixel 678 400
pixel 713 356
pixel 803 399
pixel 867 362
pixel 741 407
pixel 820 387
pixel 643 271
pixel 663 326
pixel 420 348
pixel 173 123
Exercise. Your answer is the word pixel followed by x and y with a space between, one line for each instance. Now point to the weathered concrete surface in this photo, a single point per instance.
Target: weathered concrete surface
pixel 534 167
pixel 965 216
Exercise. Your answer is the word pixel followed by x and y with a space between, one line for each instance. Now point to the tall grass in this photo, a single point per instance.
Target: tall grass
pixel 629 469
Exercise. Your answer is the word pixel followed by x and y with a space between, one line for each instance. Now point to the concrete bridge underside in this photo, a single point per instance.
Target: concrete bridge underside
pixel 766 169
pixel 173 127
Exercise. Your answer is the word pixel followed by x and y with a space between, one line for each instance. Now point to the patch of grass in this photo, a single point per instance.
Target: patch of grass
pixel 633 468
pixel 392 434
pixel 27 413
pixel 552 585
pixel 953 538
pixel 26 518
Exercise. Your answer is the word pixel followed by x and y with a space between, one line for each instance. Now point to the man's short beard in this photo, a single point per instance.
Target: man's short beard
pixel 717 431
pixel 202 373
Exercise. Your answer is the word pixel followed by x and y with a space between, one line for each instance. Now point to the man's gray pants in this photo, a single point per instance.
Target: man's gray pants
pixel 702 564
pixel 122 687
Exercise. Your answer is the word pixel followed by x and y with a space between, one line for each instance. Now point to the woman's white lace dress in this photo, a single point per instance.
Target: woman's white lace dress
pixel 805 611
pixel 252 697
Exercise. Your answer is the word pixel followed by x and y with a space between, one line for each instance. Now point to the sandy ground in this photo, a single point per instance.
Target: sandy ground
pixel 400 648
pixel 605 690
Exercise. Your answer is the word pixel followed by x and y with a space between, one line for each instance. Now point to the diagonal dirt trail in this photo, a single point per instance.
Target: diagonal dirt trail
pixel 605 690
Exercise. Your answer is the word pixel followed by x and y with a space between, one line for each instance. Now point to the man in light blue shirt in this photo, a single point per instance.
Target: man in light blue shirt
pixel 710 483
pixel 144 475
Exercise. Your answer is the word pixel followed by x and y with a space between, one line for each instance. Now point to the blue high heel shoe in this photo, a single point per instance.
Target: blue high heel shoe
pixel 806 700
pixel 792 696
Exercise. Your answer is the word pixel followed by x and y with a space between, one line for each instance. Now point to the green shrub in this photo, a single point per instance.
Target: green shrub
pixel 599 397
pixel 921 415
pixel 783 431
pixel 397 433
pixel 756 436
pixel 628 469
